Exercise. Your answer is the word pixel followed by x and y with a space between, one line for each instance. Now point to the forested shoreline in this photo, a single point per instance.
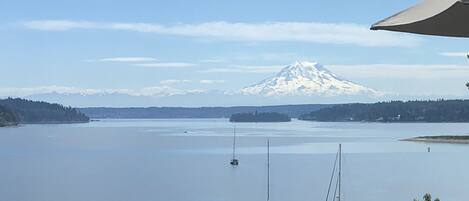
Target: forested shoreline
pixel 260 117
pixel 394 111
pixel 17 110
pixel 7 118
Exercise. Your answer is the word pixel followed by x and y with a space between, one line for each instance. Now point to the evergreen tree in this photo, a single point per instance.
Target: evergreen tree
pixel 260 117
pixel 427 197
pixel 395 111
pixel 27 111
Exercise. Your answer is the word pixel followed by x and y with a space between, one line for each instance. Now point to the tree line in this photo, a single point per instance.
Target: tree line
pixel 7 117
pixel 260 117
pixel 28 111
pixel 395 111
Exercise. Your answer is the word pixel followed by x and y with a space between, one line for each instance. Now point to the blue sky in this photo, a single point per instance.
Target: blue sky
pixel 216 45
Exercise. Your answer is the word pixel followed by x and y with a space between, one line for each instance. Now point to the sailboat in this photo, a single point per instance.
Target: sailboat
pixel 234 161
pixel 336 177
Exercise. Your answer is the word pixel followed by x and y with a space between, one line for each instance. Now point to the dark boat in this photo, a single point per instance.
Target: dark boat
pixel 234 161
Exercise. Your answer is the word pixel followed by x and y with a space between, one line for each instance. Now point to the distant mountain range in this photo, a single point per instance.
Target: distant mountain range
pixel 307 79
pixel 299 83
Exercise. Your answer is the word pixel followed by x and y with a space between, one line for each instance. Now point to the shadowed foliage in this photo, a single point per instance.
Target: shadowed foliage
pixel 27 111
pixel 7 118
pixel 260 117
pixel 428 197
pixel 395 111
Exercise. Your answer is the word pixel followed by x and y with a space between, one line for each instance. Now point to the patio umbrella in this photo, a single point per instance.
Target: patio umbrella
pixel 431 17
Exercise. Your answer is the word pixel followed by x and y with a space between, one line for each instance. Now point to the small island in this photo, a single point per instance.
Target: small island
pixel 17 110
pixel 260 117
pixel 452 139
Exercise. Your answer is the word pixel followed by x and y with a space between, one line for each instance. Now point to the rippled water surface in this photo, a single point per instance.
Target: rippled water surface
pixel 188 160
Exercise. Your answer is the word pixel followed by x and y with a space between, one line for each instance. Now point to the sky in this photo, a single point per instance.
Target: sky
pixel 152 47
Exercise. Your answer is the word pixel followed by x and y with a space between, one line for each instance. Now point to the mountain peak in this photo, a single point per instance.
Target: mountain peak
pixel 305 65
pixel 306 78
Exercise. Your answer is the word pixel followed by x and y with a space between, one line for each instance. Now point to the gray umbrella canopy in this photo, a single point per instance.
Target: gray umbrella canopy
pixel 431 17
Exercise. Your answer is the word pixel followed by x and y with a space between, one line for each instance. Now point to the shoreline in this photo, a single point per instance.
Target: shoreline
pixel 56 122
pixel 8 125
pixel 43 123
pixel 447 139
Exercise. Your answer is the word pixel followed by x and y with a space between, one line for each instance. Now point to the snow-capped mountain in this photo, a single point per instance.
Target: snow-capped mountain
pixel 306 79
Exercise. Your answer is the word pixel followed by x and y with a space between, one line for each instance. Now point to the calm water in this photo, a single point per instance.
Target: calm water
pixel 147 160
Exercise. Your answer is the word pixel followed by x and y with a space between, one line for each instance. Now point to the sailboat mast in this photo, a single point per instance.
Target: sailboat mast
pixel 234 141
pixel 234 162
pixel 268 169
pixel 340 171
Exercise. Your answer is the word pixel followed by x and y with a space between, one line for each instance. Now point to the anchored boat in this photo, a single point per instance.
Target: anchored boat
pixel 234 161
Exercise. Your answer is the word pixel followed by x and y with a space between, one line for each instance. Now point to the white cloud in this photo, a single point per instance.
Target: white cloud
pixel 126 59
pixel 244 69
pixel 166 65
pixel 212 61
pixel 311 32
pixel 454 54
pixel 26 91
pixel 406 71
pixel 59 25
pixel 169 82
pixel 156 91
pixel 166 91
pixel 212 81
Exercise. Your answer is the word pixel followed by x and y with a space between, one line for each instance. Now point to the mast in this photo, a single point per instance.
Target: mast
pixel 332 177
pixel 234 141
pixel 336 178
pixel 268 169
pixel 339 197
pixel 234 161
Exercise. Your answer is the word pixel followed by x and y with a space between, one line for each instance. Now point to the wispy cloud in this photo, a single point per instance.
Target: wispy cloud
pixel 143 61
pixel 59 25
pixel 169 82
pixel 212 81
pixel 166 65
pixel 244 69
pixel 310 32
pixel 405 71
pixel 156 91
pixel 212 60
pixel 124 59
pixel 26 91
pixel 454 54
pixel 166 91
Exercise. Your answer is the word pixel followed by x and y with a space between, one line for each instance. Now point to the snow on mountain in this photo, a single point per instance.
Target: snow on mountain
pixel 306 79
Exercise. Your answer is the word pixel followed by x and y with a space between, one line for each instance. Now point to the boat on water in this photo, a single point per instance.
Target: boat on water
pixel 234 161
